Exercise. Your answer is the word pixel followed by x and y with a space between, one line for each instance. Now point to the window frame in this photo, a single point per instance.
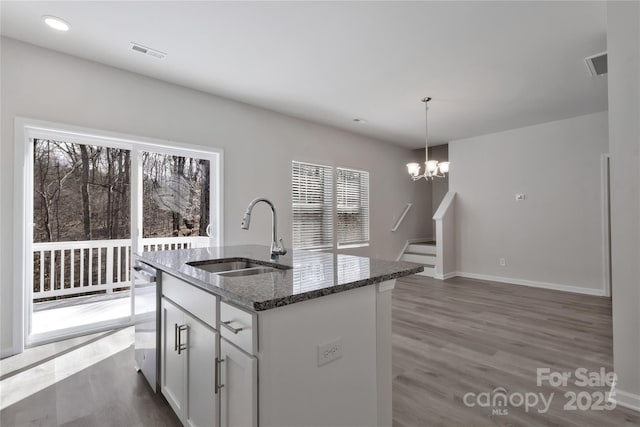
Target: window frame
pixel 367 208
pixel 320 206
pixel 335 244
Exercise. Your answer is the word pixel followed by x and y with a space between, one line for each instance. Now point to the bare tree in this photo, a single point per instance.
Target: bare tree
pixel 50 189
pixel 204 196
pixel 82 192
pixel 86 205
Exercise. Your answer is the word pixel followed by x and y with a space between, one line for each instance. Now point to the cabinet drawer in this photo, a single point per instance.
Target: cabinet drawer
pixel 201 304
pixel 239 327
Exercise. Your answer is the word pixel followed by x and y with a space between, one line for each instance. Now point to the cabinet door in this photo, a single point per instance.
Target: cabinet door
pixel 173 364
pixel 202 401
pixel 239 394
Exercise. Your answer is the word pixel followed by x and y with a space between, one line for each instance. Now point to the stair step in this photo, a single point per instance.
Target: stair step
pixel 427 259
pixel 422 248
pixel 429 271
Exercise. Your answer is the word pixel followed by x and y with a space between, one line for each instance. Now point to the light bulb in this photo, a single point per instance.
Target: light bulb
pixel 432 165
pixel 413 169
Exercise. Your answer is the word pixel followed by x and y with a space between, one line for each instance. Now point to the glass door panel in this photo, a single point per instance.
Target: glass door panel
pixel 81 237
pixel 176 201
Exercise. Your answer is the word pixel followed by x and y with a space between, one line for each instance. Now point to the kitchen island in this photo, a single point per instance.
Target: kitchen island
pixel 304 340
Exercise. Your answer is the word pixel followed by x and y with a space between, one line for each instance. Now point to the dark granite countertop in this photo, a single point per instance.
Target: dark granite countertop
pixel 311 274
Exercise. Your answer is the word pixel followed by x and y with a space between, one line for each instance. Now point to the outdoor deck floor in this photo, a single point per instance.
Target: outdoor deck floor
pixel 81 311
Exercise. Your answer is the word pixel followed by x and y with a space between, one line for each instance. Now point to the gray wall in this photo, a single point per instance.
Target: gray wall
pixel 623 46
pixel 423 191
pixel 554 237
pixel 440 186
pixel 259 146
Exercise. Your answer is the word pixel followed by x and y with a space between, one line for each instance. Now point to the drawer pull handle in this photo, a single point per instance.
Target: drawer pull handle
pixel 217 385
pixel 228 326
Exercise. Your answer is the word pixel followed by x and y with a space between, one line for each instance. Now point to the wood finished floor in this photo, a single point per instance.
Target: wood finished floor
pixel 462 335
pixel 107 394
pixel 449 338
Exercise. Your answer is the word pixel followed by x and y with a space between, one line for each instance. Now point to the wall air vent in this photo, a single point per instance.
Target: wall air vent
pixel 597 64
pixel 148 51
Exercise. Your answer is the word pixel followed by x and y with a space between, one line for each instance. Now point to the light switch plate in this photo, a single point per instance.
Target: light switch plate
pixel 521 196
pixel 329 352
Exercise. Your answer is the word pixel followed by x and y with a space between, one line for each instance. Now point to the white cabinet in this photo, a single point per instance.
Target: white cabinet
pixel 172 363
pixel 238 387
pixel 188 366
pixel 210 351
pixel 202 402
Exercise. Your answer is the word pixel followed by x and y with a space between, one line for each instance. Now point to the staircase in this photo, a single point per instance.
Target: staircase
pixel 423 253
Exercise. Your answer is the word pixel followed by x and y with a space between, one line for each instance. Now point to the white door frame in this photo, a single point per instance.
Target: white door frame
pixel 25 129
pixel 605 167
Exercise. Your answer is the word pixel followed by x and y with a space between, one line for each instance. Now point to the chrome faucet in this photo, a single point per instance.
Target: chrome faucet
pixel 276 249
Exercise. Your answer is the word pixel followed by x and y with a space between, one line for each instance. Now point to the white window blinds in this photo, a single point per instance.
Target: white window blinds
pixel 352 206
pixel 312 198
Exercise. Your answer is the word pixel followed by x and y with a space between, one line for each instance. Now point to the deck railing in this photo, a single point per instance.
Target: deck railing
pixel 71 268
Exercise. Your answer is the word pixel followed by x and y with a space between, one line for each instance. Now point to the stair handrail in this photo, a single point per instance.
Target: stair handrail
pixel 401 218
pixel 445 237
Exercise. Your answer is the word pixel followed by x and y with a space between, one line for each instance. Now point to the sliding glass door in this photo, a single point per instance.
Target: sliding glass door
pixel 94 202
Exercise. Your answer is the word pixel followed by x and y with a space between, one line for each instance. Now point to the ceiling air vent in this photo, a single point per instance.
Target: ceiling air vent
pixel 597 64
pixel 148 51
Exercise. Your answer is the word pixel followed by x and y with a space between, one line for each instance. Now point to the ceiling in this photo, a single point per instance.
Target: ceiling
pixel 489 66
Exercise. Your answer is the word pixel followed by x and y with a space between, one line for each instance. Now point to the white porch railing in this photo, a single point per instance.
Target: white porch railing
pixel 70 268
pixel 169 243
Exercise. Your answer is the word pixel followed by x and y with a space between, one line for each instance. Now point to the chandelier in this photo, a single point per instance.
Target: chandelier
pixel 432 168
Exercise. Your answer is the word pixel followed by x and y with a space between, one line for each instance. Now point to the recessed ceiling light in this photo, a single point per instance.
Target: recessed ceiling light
pixel 359 121
pixel 55 23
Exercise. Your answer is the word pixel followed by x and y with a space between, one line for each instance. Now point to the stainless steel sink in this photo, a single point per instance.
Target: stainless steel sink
pixel 247 271
pixel 235 268
pixel 217 267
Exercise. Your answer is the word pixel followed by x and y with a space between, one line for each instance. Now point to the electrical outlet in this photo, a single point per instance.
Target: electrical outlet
pixel 502 262
pixel 329 352
pixel 521 196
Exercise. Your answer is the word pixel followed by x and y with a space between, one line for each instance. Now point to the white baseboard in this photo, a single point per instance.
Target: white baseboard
pixel 627 400
pixel 535 284
pixel 445 276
